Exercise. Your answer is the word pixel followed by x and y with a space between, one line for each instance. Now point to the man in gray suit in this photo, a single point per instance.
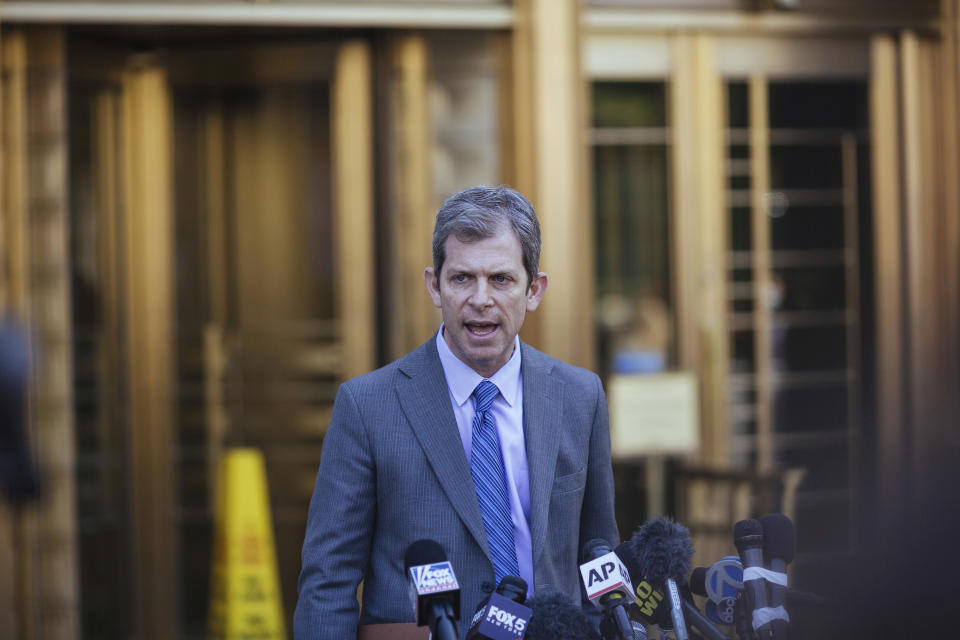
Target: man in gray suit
pixel 473 439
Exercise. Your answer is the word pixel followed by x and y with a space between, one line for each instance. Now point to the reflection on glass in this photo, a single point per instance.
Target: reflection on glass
pixel 463 90
pixel 808 227
pixel 806 166
pixel 632 228
pixel 818 105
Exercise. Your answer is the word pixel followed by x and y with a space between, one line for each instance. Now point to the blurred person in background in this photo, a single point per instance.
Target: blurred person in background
pixel 18 477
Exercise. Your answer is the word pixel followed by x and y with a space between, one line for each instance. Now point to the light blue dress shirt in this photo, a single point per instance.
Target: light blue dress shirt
pixel 508 412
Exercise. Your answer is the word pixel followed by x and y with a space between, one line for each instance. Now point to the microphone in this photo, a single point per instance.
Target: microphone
pixel 555 617
pixel 607 584
pixel 502 615
pixel 698 581
pixel 434 591
pixel 514 588
pixel 720 584
pixel 727 584
pixel 663 550
pixel 748 538
pixel 779 546
pixel 648 600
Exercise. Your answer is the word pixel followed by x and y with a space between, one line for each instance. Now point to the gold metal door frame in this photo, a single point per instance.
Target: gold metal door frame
pixel 149 263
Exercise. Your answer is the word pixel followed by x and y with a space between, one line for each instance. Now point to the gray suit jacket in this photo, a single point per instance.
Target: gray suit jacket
pixel 393 471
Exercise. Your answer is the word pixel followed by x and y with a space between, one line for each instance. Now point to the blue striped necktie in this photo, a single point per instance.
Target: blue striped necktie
pixel 486 467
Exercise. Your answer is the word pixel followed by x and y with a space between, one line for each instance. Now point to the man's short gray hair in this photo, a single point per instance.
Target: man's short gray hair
pixel 480 212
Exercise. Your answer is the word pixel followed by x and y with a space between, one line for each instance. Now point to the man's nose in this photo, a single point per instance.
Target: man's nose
pixel 481 294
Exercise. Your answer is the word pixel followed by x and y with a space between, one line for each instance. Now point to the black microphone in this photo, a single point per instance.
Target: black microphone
pixel 434 591
pixel 555 617
pixel 607 584
pixel 513 588
pixel 748 538
pixel 663 550
pixel 648 600
pixel 502 616
pixel 779 546
pixel 698 581
pixel 651 605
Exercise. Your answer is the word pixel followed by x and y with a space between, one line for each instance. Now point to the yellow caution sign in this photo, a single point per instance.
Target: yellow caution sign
pixel 245 601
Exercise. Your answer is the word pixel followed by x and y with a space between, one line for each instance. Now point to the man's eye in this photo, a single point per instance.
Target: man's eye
pixel 460 277
pixel 500 278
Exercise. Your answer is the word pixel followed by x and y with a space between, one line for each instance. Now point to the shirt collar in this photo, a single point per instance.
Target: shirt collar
pixel 462 380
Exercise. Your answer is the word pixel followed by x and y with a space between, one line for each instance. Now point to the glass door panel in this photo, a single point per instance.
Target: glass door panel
pixel 634 314
pixel 799 408
pixel 101 395
pixel 630 155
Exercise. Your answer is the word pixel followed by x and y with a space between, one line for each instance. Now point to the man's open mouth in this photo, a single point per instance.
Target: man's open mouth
pixel 481 329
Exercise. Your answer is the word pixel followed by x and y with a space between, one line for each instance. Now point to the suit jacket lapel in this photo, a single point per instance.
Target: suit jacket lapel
pixel 423 395
pixel 542 411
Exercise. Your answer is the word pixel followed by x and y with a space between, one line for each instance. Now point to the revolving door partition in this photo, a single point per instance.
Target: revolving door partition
pixel 222 244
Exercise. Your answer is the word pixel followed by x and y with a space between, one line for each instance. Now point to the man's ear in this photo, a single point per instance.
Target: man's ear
pixel 433 285
pixel 536 290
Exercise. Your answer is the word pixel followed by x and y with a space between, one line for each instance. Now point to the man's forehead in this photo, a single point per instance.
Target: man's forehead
pixel 496 228
pixel 509 256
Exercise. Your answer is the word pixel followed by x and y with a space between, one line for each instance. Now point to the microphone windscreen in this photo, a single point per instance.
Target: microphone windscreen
pixel 779 537
pixel 647 597
pixel 555 617
pixel 422 552
pixel 698 581
pixel 628 557
pixel 663 550
pixel 746 528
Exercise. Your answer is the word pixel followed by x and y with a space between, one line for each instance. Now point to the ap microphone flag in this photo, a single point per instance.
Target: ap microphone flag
pixel 607 583
pixel 606 575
